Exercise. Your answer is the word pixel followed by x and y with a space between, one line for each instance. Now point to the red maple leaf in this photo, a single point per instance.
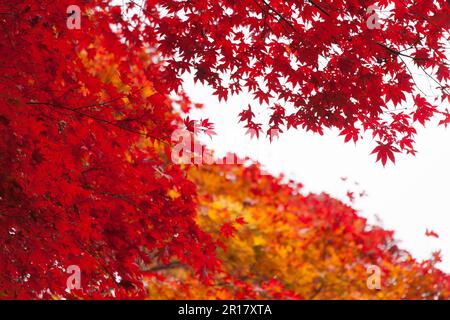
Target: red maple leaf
pixel 385 152
pixel 240 220
pixel 227 229
pixel 431 233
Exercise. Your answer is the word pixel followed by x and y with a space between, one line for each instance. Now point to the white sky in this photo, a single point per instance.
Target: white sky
pixel 408 197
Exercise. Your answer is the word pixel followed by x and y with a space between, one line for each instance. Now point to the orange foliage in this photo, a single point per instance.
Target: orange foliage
pixel 290 245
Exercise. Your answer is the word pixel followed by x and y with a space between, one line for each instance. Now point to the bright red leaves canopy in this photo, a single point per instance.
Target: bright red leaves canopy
pixel 316 64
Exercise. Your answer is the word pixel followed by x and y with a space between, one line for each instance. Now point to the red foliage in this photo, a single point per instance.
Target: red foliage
pixel 86 115
pixel 76 185
pixel 317 59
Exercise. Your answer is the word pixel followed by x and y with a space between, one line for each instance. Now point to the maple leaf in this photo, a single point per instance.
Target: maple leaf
pixel 350 134
pixel 385 152
pixel 227 230
pixel 240 220
pixel 421 56
pixel 351 196
pixel 222 93
pixel 424 110
pixel 431 233
pixel 262 96
pixel 446 121
pixel 207 127
pixel 246 115
pixel 253 129
pixel 437 256
pixel 443 73
pixel 190 125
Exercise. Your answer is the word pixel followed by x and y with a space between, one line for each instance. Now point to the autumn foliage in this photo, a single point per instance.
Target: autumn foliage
pixel 86 117
pixel 286 244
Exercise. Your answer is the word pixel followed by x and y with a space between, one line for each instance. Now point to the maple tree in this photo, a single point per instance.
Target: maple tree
pixel 315 64
pixel 288 245
pixel 84 181
pixel 86 117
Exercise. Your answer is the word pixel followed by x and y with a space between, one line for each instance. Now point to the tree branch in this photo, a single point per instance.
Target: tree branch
pixel 83 114
pixel 319 7
pixel 171 265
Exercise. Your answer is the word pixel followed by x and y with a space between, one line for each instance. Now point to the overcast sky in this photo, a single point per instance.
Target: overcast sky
pixel 408 197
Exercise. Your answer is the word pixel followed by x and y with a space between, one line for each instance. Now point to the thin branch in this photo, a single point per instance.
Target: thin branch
pixel 316 291
pixel 412 77
pixel 171 265
pixel 437 82
pixel 319 7
pixel 289 23
pixel 58 106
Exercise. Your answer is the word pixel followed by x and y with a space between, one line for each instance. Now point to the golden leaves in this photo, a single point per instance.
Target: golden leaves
pixel 314 246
